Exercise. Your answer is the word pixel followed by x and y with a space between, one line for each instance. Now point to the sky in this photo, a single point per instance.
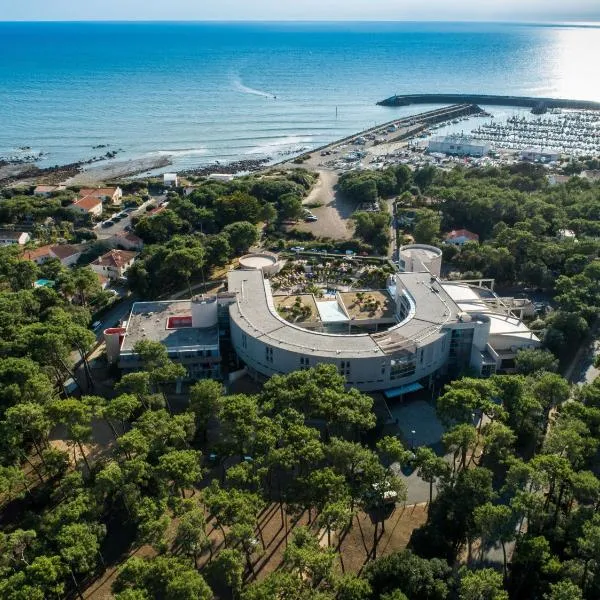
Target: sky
pixel 306 10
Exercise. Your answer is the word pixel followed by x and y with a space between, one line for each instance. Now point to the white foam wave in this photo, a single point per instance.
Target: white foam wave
pixel 278 144
pixel 179 152
pixel 240 87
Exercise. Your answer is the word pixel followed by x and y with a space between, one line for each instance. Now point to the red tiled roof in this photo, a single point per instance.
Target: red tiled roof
pixel 63 251
pixel 60 251
pixel 103 280
pixel 40 252
pixel 88 203
pixel 115 258
pixel 456 233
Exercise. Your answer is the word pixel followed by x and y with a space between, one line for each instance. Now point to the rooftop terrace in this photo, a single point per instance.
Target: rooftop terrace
pixel 430 309
pixel 167 323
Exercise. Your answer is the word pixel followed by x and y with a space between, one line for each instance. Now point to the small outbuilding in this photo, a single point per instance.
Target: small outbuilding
pixel 459 237
pixel 170 180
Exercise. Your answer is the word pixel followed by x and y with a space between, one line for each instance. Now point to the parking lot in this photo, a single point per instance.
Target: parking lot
pixel 122 220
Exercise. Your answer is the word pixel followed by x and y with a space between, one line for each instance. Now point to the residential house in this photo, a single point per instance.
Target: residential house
pixel 47 190
pixel 8 237
pixel 112 195
pixel 67 254
pixel 459 237
pixel 591 175
pixel 114 263
pixel 39 255
pixel 88 206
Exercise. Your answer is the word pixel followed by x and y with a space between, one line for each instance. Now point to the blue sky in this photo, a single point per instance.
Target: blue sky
pixel 511 10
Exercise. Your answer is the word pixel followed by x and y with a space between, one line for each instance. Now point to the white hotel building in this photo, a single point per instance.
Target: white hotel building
pixel 438 328
pixel 429 328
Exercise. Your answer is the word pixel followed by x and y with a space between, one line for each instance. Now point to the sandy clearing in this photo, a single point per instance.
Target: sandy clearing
pixel 334 213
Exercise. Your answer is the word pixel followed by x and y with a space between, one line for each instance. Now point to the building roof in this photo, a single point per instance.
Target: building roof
pixel 157 210
pixel 63 251
pixel 36 253
pixel 87 203
pixel 97 192
pixel 104 281
pixel 539 150
pixel 254 312
pixel 170 176
pixel 148 321
pixel 457 138
pixel 115 258
pixel 458 233
pixel 45 189
pixel 130 237
pixel 10 234
pixel 476 300
pixel 60 251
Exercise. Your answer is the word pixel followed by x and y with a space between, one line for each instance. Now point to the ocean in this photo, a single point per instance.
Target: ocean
pixel 201 92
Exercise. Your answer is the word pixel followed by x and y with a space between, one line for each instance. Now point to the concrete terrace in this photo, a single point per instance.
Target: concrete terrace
pixel 150 320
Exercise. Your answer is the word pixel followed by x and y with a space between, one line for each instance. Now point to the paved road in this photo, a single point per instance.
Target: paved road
pixel 119 226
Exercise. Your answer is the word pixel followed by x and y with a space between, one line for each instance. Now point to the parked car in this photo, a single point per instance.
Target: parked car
pixel 96 325
pixel 108 224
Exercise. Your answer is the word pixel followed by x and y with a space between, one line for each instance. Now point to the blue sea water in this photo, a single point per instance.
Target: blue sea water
pixel 211 91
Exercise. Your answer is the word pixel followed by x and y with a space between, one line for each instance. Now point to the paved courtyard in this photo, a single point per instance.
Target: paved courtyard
pixel 418 416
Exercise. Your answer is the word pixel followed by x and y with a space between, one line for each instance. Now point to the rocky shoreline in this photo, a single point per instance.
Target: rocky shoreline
pixel 96 170
pixel 238 166
pixel 11 173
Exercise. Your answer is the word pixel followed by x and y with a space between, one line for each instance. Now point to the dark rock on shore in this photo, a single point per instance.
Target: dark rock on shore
pixel 48 175
pixel 231 168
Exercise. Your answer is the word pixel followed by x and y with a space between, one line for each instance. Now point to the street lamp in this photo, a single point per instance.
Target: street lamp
pixel 412 440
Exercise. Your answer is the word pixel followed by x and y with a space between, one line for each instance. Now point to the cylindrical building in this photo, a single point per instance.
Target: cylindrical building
pixel 204 311
pixel 417 258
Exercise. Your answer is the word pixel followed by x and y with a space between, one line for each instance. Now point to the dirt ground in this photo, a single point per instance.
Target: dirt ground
pixel 355 548
pixel 333 215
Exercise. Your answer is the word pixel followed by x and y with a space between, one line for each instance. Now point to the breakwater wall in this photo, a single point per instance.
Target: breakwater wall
pixel 490 100
pixel 407 127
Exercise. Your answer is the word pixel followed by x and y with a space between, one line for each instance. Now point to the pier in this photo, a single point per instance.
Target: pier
pixel 538 104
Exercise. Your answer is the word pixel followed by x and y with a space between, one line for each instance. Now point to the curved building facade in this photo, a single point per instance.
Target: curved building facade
pixel 430 335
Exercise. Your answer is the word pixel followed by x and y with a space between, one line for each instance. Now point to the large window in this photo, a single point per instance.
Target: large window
pixel 269 354
pixel 461 342
pixel 345 367
pixel 402 367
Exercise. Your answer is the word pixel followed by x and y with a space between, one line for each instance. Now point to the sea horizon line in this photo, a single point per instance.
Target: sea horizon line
pixel 552 23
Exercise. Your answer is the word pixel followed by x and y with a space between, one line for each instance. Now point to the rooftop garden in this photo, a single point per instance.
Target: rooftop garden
pixel 368 305
pixel 315 275
pixel 297 309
